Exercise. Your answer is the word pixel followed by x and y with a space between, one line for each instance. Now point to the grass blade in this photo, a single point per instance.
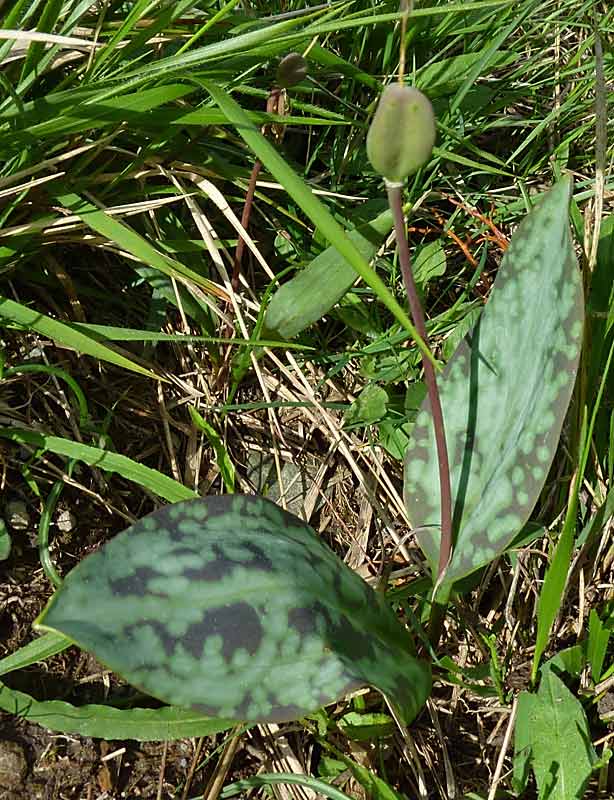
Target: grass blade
pixel 149 478
pixel 65 335
pixel 551 594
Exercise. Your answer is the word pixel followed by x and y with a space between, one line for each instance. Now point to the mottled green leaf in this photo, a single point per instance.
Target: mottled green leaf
pixel 504 394
pixel 234 608
pixel 553 739
pixel 312 292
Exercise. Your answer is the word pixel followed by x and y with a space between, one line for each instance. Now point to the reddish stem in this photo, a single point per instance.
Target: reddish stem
pixel 247 211
pixel 445 548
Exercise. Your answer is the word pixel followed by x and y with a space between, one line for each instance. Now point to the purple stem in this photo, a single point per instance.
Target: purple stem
pixel 445 549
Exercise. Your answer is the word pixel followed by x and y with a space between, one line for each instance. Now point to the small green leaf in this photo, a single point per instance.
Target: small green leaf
pixel 377 789
pixel 552 738
pixel 362 727
pixel 369 406
pixel 234 608
pixel 430 262
pixel 504 395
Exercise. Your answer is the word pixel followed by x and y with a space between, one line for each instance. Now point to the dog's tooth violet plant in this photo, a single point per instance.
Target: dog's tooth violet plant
pixel 234 608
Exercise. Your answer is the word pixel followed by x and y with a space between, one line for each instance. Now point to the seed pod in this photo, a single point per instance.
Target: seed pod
pixel 291 70
pixel 402 133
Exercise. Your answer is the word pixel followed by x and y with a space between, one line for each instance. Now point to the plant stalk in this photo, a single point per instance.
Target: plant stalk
pixel 445 549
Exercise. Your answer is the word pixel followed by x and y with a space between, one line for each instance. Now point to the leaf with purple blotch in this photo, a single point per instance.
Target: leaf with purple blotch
pixel 236 609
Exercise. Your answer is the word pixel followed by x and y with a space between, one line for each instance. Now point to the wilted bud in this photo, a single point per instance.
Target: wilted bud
pixel 292 69
pixel 402 133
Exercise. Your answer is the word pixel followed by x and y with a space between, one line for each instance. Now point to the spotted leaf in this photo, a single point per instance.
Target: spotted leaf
pixel 504 395
pixel 235 608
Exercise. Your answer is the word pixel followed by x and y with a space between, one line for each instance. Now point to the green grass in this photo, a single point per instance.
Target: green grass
pixel 133 370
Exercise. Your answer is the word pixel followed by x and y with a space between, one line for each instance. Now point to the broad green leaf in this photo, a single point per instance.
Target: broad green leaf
pixel 151 479
pixel 105 722
pixel 552 737
pixel 234 608
pixel 315 290
pixel 504 395
pixel 65 335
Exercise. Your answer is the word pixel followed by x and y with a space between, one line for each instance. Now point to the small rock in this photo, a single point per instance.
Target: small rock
pixel 17 515
pixel 13 764
pixel 66 521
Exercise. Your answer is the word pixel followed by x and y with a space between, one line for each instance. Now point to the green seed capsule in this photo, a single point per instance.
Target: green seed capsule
pixel 402 133
pixel 292 69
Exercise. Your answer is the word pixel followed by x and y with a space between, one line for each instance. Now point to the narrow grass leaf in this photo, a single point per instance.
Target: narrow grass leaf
pixel 321 787
pixel 66 336
pixel 274 36
pixel 598 638
pixel 105 722
pixel 114 334
pixel 26 369
pixel 222 459
pixel 131 241
pixel 551 594
pixel 234 608
pixel 150 479
pixel 38 650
